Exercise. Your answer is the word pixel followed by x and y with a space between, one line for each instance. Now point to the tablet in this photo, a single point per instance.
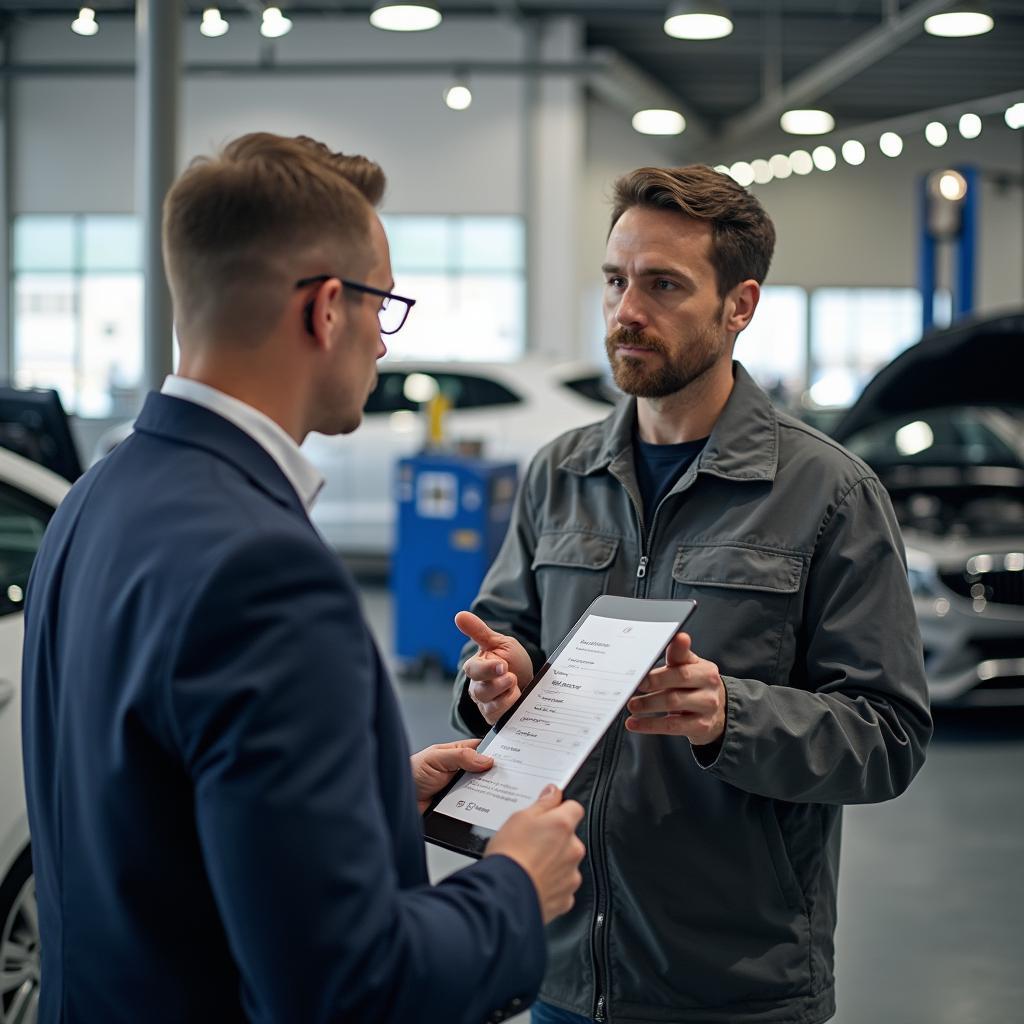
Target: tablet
pixel 558 720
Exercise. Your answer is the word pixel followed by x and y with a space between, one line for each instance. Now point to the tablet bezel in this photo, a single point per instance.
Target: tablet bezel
pixel 471 840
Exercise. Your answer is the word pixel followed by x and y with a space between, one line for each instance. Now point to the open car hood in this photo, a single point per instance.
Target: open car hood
pixel 975 362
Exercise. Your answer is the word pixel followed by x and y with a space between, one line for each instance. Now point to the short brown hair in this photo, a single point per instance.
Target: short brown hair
pixel 742 234
pixel 237 225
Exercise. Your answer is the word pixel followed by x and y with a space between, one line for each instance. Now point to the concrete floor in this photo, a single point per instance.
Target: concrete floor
pixel 931 906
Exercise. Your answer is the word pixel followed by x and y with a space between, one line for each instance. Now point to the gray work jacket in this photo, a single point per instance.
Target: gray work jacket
pixel 709 888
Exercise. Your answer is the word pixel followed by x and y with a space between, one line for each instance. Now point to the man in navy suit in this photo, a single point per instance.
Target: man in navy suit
pixel 223 816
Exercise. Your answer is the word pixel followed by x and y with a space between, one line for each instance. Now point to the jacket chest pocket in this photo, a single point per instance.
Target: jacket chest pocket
pixel 571 569
pixel 746 606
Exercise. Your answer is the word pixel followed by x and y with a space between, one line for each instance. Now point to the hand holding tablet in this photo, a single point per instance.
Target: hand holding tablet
pixel 547 734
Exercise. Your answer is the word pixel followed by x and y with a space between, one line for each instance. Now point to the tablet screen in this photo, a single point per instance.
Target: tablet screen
pixel 561 718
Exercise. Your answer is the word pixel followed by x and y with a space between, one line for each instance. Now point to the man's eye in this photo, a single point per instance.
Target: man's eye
pixel 616 282
pixel 663 285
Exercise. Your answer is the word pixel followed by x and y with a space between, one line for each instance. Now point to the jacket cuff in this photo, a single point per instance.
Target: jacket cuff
pixel 707 755
pixel 466 715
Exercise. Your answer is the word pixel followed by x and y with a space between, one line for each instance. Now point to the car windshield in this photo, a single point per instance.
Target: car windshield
pixel 962 436
pixel 594 386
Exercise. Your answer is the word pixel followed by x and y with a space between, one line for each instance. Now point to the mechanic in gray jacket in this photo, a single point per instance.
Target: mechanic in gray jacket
pixel 713 830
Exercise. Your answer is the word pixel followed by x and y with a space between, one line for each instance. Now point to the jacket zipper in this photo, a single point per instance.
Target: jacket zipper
pixel 598 941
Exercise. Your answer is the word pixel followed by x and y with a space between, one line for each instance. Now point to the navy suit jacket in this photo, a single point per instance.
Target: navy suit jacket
pixel 223 819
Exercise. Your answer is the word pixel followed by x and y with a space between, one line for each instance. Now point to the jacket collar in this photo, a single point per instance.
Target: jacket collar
pixel 187 423
pixel 744 444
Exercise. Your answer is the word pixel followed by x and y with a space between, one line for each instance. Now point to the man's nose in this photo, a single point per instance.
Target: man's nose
pixel 630 311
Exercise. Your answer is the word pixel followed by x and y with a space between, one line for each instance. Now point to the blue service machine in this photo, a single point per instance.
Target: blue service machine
pixel 453 512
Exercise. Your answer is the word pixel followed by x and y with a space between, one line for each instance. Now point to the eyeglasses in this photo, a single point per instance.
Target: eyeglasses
pixel 393 308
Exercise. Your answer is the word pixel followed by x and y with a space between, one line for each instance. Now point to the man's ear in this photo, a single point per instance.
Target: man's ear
pixel 740 304
pixel 322 315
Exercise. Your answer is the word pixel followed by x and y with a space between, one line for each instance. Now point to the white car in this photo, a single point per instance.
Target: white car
pixel 511 409
pixel 28 496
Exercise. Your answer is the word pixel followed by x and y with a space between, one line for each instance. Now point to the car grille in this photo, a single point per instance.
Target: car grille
pixel 1001 586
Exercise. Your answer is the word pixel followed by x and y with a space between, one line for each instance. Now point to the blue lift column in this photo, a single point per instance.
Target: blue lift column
pixel 947 221
pixel 453 512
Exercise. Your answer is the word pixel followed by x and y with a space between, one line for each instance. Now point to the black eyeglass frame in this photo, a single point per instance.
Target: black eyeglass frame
pixel 356 286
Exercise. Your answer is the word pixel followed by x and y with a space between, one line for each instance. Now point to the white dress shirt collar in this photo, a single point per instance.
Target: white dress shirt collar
pixel 270 436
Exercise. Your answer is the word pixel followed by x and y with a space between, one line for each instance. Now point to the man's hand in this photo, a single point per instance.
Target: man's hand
pixel 686 695
pixel 433 768
pixel 542 839
pixel 498 671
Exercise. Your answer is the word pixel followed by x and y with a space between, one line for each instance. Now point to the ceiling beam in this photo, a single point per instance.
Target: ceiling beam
pixel 621 84
pixel 834 70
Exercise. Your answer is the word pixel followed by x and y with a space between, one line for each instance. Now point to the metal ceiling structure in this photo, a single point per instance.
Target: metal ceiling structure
pixel 865 61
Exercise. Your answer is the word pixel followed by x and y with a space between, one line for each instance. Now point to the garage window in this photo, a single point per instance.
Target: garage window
pixel 468 276
pixel 77 294
pixel 77 299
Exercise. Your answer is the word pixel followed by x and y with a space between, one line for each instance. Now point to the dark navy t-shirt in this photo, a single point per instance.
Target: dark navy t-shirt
pixel 658 467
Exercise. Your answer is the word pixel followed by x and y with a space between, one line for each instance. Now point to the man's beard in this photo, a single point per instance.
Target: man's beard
pixel 636 377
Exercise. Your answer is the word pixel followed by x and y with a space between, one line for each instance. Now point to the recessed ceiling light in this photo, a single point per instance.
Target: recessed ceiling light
pixel 409 17
pixel 762 171
pixel 274 24
pixel 890 144
pixel 212 25
pixel 969 125
pixel 854 152
pixel 936 134
pixel 807 122
pixel 85 23
pixel 781 166
pixel 1014 116
pixel 458 96
pixel 824 158
pixel 742 173
pixel 801 161
pixel 697 19
pixel 659 122
pixel 958 23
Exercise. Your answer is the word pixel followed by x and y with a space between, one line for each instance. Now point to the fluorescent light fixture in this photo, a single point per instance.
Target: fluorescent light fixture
pixel 969 125
pixel 936 134
pixel 458 96
pixel 212 25
pixel 807 122
pixel 659 122
pixel 801 161
pixel 890 144
pixel 762 171
pixel 960 22
pixel 414 17
pixel 952 186
pixel 854 152
pixel 781 166
pixel 85 23
pixel 275 24
pixel 1014 116
pixel 742 173
pixel 697 19
pixel 824 158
